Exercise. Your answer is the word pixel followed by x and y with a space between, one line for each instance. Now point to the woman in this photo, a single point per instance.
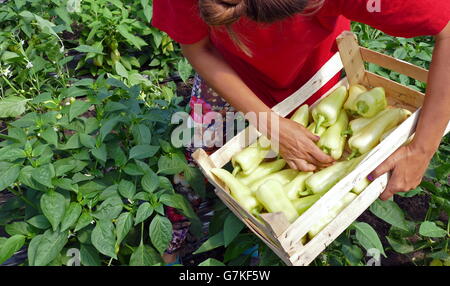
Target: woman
pixel 255 53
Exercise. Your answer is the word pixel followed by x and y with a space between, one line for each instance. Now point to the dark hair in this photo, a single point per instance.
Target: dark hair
pixel 227 12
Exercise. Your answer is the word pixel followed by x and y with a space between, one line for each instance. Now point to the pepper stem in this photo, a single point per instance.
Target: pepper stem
pixel 353 155
pixel 347 132
pixel 319 123
pixel 236 170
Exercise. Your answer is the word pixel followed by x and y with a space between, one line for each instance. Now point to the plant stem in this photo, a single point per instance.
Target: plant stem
pixel 142 232
pixel 110 261
pixel 22 197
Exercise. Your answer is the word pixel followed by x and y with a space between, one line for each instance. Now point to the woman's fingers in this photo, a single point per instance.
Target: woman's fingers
pixel 319 157
pixel 301 165
pixel 392 186
pixel 385 167
pixel 305 166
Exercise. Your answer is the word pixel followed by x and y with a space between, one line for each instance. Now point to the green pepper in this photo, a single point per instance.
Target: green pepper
pixel 353 93
pixel 272 196
pixel 332 141
pixel 263 170
pixel 239 191
pixel 372 102
pixel 249 159
pixel 358 124
pixel 331 214
pixel 319 132
pixel 325 179
pixel 327 111
pixel 301 116
pixel 296 186
pixel 367 138
pixel 361 186
pixel 283 177
pixel 303 204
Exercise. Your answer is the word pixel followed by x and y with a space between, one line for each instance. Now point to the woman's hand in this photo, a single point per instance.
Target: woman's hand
pixel 407 166
pixel 298 148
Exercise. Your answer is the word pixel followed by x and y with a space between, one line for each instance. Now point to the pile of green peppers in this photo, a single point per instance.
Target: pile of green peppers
pixel 350 123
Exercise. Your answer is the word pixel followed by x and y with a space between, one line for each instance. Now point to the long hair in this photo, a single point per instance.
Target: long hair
pixel 227 12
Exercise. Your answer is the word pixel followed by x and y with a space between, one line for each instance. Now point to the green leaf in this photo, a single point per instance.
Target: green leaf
pixel 127 189
pixel 231 228
pixel 147 8
pixel 145 255
pixel 71 216
pixel 44 175
pixel 50 135
pixel 211 262
pixel 141 134
pixel 11 153
pixel 53 205
pixel 352 253
pixel 213 242
pixel 390 212
pixel 9 176
pixel 160 232
pixel 100 153
pixel 430 229
pixel 196 180
pixel 89 256
pixel 368 237
pixel 170 166
pixel 123 225
pixel 72 143
pixel 121 70
pixel 118 155
pixel 11 246
pixel 150 181
pixel 39 221
pixel 84 220
pixel 109 209
pixel 107 127
pixel 400 53
pixel 103 238
pixel 89 49
pixel 143 151
pixel 144 211
pixel 184 69
pixel 77 108
pixel 134 40
pixel 44 249
pixel 87 141
pixel 400 245
pixel 32 247
pixel 19 227
pixel 12 106
pixel 133 170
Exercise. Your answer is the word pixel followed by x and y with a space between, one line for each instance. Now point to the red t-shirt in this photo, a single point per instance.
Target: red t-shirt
pixel 286 54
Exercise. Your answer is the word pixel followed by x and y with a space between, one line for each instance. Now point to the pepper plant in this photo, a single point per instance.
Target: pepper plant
pixel 92 175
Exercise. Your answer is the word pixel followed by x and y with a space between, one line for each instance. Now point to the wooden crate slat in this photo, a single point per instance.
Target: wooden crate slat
pixel 349 51
pixel 313 248
pixel 396 65
pixel 403 93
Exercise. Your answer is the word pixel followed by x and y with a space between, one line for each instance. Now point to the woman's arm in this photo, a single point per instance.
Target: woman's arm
pixel 410 162
pixel 296 143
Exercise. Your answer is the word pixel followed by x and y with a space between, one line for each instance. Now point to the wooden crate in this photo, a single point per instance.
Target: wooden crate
pixel 281 236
